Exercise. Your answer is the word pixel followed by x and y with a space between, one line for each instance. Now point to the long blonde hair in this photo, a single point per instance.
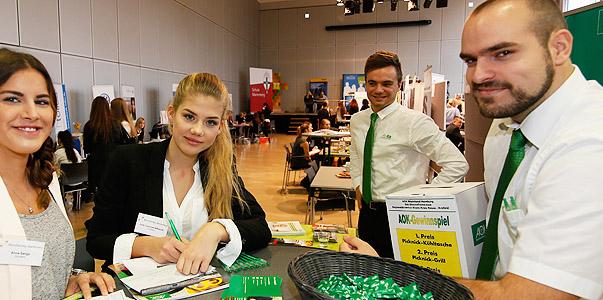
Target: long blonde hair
pixel 221 171
pixel 120 112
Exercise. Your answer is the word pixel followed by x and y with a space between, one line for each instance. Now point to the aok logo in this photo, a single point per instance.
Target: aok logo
pixel 479 232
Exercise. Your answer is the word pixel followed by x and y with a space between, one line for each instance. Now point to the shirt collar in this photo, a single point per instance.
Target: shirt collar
pixel 541 122
pixel 388 110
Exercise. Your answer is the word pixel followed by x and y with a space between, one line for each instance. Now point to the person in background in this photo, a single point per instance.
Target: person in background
pixel 101 136
pixel 324 113
pixel 451 111
pixel 353 107
pixel 31 203
pixel 404 142
pixel 325 124
pixel 544 152
pixel 309 102
pixel 301 148
pixel 65 154
pixel 140 126
pixel 192 177
pixel 453 133
pixel 120 113
pixel 365 104
pixel 340 113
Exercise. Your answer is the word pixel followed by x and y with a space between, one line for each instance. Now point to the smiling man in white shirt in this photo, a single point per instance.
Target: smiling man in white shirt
pixel 404 143
pixel 547 228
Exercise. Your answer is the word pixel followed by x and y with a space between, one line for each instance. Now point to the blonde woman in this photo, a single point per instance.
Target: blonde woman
pixel 192 177
pixel 121 114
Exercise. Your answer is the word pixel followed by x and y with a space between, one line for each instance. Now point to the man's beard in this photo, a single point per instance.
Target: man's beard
pixel 522 100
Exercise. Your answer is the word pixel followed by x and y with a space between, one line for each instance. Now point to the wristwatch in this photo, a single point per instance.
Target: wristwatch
pixel 75 272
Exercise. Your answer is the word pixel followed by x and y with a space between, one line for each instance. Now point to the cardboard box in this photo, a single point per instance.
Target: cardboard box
pixel 439 226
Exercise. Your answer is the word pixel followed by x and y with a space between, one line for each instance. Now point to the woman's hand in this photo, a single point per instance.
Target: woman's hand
pixel 161 249
pixel 356 245
pixel 201 250
pixel 81 282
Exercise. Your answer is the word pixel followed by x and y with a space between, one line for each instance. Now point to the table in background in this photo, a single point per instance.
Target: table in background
pixel 309 236
pixel 278 256
pixel 326 180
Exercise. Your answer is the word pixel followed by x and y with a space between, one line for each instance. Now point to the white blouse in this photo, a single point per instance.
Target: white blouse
pixel 188 218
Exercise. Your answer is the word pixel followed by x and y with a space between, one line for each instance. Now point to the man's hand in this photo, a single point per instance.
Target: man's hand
pixel 356 245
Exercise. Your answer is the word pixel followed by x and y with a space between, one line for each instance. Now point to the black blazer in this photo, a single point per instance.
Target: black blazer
pixel 133 183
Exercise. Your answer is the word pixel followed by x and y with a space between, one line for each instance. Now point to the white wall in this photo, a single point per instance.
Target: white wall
pixel 148 44
pixel 301 49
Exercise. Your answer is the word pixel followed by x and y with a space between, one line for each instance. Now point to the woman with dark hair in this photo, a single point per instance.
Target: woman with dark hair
pixel 31 204
pixel 120 114
pixel 101 135
pixel 65 154
pixel 353 106
pixel 300 153
pixel 365 104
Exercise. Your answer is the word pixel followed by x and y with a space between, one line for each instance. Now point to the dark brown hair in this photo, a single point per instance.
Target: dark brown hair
pixel 67 141
pixel 39 167
pixel 100 120
pixel 545 17
pixel 382 59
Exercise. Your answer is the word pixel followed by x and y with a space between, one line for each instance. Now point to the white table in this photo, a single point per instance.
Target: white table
pixel 326 180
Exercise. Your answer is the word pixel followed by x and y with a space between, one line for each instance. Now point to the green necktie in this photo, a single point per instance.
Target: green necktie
pixel 367 190
pixel 487 260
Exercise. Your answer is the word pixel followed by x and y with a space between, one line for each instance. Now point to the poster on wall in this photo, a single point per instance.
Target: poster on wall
pixel 319 86
pixel 128 94
pixel 352 84
pixel 62 121
pixel 105 91
pixel 261 89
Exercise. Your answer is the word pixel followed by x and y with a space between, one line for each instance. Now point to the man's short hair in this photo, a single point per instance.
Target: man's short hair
pixel 382 59
pixel 546 17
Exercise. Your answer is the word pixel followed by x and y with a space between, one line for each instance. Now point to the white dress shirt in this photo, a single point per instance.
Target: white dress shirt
pixel 188 218
pixel 405 142
pixel 555 236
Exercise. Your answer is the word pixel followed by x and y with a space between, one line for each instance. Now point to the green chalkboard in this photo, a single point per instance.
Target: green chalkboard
pixel 587 28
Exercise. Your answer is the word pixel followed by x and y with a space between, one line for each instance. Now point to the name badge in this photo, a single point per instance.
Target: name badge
pixel 21 252
pixel 151 225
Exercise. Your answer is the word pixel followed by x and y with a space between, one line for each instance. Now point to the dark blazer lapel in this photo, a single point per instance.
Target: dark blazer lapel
pixel 153 200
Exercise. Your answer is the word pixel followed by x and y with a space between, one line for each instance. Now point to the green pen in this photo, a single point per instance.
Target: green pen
pixel 174 231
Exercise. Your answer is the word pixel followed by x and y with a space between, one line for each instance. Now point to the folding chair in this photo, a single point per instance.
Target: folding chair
pixel 74 180
pixel 288 169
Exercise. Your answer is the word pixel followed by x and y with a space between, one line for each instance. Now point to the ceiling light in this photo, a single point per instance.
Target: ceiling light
pixel 306 16
pixel 380 1
pixel 339 2
pixel 368 6
pixel 413 5
pixel 348 10
pixel 470 4
pixel 441 3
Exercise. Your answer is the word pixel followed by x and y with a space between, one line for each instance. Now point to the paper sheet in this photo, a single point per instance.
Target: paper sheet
pixel 157 277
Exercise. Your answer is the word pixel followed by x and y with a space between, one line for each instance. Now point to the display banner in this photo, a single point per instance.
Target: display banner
pixel 105 91
pixel 62 121
pixel 260 85
pixel 318 85
pixel 352 84
pixel 128 94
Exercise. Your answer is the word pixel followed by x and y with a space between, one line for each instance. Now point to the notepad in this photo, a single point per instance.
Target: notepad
pixel 141 265
pixel 162 279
